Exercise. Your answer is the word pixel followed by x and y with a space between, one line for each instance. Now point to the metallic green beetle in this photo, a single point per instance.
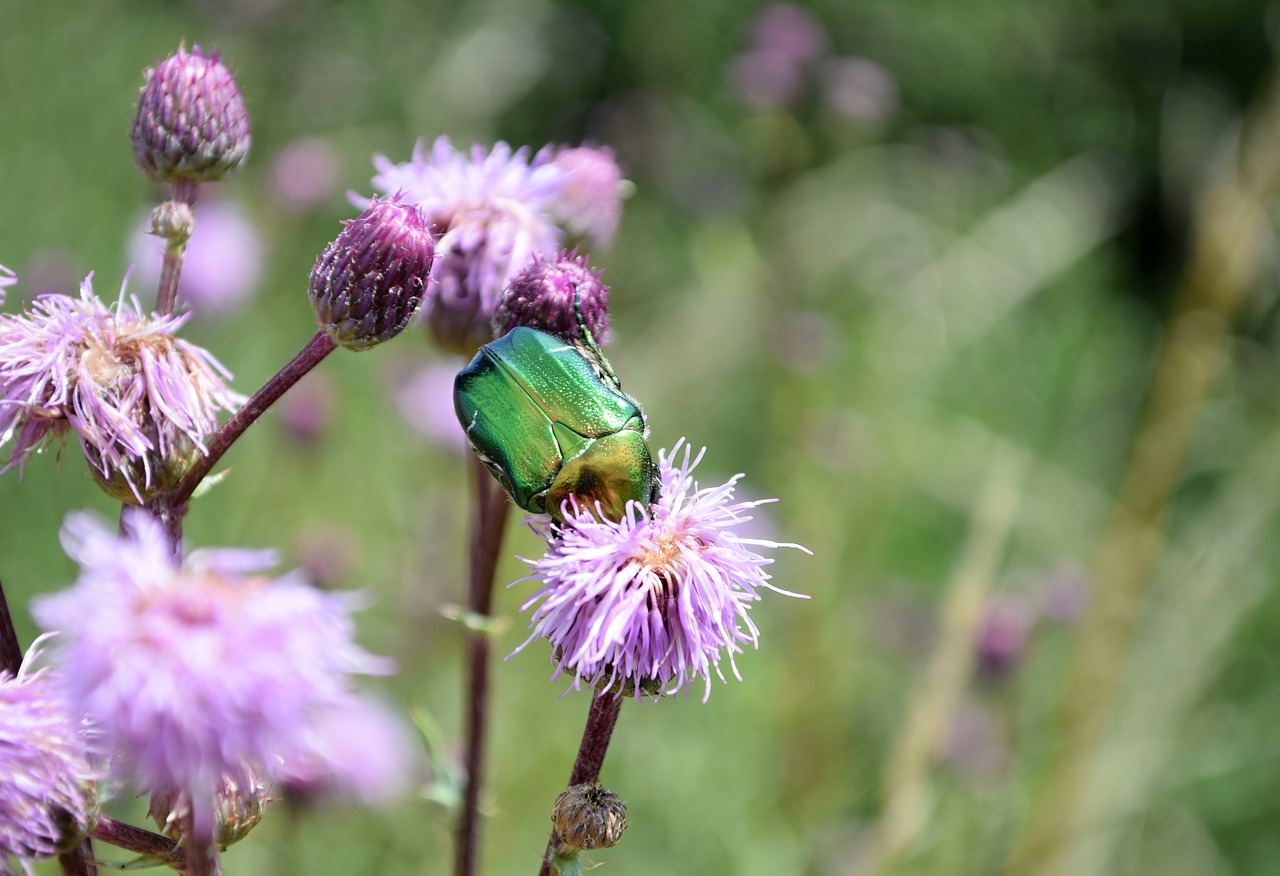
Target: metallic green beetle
pixel 549 420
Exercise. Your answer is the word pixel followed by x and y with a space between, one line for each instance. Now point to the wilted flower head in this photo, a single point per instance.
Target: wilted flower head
pixel 237 809
pixel 549 294
pixel 191 122
pixel 200 672
pixel 369 281
pixel 140 400
pixel 7 279
pixel 493 211
pixel 589 816
pixel 650 603
pixel 47 801
pixel 223 263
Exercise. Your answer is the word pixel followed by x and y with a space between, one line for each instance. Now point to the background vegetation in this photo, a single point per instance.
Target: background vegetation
pixel 919 300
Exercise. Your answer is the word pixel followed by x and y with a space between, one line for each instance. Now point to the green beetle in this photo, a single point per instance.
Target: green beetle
pixel 549 419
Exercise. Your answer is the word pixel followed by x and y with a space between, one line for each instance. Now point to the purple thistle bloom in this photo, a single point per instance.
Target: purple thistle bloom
pixel 203 672
pixel 656 600
pixel 493 211
pixel 590 201
pixel 7 279
pixel 47 800
pixel 140 400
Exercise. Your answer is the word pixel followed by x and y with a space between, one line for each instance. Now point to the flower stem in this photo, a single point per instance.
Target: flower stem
pixel 171 508
pixel 601 719
pixel 174 251
pixel 487 529
pixel 79 861
pixel 10 650
pixel 202 857
pixel 139 841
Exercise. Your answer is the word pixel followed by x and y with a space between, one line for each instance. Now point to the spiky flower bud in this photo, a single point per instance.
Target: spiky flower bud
pixel 173 221
pixel 238 807
pixel 589 817
pixel 368 283
pixel 550 293
pixel 191 122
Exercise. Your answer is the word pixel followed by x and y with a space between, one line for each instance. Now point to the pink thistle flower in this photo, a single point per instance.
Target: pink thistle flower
pixel 7 279
pixel 202 671
pixel 652 602
pixel 47 799
pixel 493 211
pixel 140 400
pixel 590 200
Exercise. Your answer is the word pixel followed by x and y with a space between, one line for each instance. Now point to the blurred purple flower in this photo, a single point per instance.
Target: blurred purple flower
pixel 305 173
pixel 655 601
pixel 976 745
pixel 859 89
pixel 590 200
pixel 493 211
pixel 361 753
pixel 424 397
pixel 763 79
pixel 7 279
pixel 140 400
pixel 1062 593
pixel 1003 634
pixel 327 552
pixel 308 409
pixel 790 31
pixel 46 780
pixel 200 672
pixel 222 269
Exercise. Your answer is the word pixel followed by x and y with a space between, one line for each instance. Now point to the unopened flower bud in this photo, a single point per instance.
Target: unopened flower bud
pixel 237 810
pixel 589 817
pixel 191 122
pixel 549 294
pixel 174 221
pixel 368 283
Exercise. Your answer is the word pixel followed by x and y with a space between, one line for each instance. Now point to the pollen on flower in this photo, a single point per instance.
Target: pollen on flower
pixel 654 601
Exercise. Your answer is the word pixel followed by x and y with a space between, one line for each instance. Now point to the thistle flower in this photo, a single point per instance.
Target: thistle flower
pixel 656 600
pixel 200 672
pixel 140 400
pixel 493 211
pixel 590 201
pixel 47 802
pixel 369 281
pixel 7 279
pixel 548 295
pixel 191 122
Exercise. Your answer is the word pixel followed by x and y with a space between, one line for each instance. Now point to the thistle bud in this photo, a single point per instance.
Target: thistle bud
pixel 589 817
pixel 237 810
pixel 173 221
pixel 549 294
pixel 191 122
pixel 368 283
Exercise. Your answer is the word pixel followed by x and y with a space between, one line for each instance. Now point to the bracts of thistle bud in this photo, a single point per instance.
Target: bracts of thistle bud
pixel 558 295
pixel 368 283
pixel 191 124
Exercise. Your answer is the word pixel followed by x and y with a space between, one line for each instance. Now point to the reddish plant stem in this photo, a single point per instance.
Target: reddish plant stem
pixel 10 650
pixel 488 525
pixel 174 252
pixel 79 861
pixel 601 719
pixel 139 841
pixel 171 508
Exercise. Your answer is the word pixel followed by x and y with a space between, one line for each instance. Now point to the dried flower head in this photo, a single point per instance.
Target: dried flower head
pixel 589 816
pixel 202 672
pixel 191 122
pixel 47 797
pixel 140 400
pixel 238 808
pixel 550 293
pixel 651 602
pixel 493 211
pixel 369 282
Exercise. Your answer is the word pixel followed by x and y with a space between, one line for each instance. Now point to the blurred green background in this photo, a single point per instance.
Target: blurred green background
pixel 930 256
